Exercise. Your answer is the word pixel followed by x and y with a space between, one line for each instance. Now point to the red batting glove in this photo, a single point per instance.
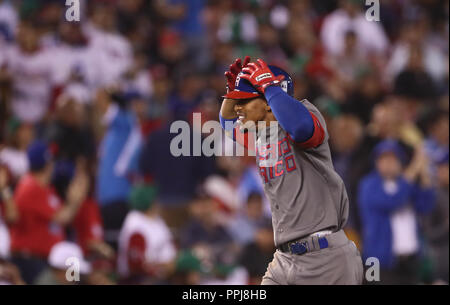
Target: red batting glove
pixel 235 69
pixel 260 76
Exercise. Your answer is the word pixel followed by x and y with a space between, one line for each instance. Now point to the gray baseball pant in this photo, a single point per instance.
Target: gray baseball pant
pixel 339 264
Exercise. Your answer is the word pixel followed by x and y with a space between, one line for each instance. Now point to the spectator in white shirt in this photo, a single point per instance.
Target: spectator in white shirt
pixel 146 249
pixel 102 31
pixel 82 64
pixel 414 36
pixel 33 73
pixel 371 37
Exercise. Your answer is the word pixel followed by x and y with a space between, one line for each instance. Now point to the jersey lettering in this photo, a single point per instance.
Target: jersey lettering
pixel 283 166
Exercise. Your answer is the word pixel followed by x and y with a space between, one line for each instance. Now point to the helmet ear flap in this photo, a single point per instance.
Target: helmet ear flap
pixel 287 84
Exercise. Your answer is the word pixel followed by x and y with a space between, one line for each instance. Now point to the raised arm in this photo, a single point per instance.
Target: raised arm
pixel 227 112
pixel 303 126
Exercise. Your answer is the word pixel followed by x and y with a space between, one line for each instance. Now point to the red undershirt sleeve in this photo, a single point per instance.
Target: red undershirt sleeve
pixel 317 137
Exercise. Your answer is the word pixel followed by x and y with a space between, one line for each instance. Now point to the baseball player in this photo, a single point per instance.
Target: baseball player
pixel 308 199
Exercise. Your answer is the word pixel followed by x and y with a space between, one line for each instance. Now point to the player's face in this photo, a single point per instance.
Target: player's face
pixel 388 166
pixel 251 111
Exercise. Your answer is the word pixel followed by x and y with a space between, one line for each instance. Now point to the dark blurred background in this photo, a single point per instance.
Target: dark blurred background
pixel 100 94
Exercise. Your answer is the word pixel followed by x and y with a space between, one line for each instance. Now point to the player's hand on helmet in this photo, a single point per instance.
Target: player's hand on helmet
pixel 260 76
pixel 233 72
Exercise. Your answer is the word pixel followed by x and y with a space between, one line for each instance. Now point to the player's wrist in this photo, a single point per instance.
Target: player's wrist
pixel 273 83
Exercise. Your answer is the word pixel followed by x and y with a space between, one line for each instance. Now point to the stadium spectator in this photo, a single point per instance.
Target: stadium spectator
pixel 80 61
pixel 387 123
pixel 436 224
pixel 258 253
pixel 204 226
pixel 62 257
pixel 9 274
pixel 57 271
pixel 175 191
pixel 414 38
pixel 301 42
pixel 186 97
pixel 243 226
pixel 249 182
pixel 172 49
pixel 348 158
pixel 227 274
pixel 146 247
pixel 102 32
pixel 70 133
pixel 33 73
pixel 437 143
pixel 414 83
pixel 42 216
pixel 117 161
pixel 389 202
pixel 89 232
pixel 159 61
pixel 157 108
pixel 366 91
pixel 189 269
pixel 371 37
pixel 138 79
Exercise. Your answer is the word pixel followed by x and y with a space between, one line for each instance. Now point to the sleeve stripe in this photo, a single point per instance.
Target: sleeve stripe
pixel 317 137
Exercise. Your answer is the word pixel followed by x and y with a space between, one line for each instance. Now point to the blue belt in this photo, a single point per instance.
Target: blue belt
pixel 306 245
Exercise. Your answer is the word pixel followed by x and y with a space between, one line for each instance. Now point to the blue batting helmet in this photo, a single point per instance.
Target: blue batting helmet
pixel 245 90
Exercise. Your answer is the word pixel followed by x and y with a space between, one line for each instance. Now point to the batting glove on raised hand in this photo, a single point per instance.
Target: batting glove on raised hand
pixel 233 72
pixel 260 76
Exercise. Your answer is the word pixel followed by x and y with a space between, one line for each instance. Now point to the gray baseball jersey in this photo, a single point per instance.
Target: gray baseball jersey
pixel 305 192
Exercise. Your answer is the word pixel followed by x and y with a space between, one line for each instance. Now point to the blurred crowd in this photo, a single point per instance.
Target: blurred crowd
pixel 85 113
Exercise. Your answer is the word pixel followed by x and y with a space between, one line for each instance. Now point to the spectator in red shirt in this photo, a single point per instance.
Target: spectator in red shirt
pixel 89 231
pixel 87 226
pixel 42 215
